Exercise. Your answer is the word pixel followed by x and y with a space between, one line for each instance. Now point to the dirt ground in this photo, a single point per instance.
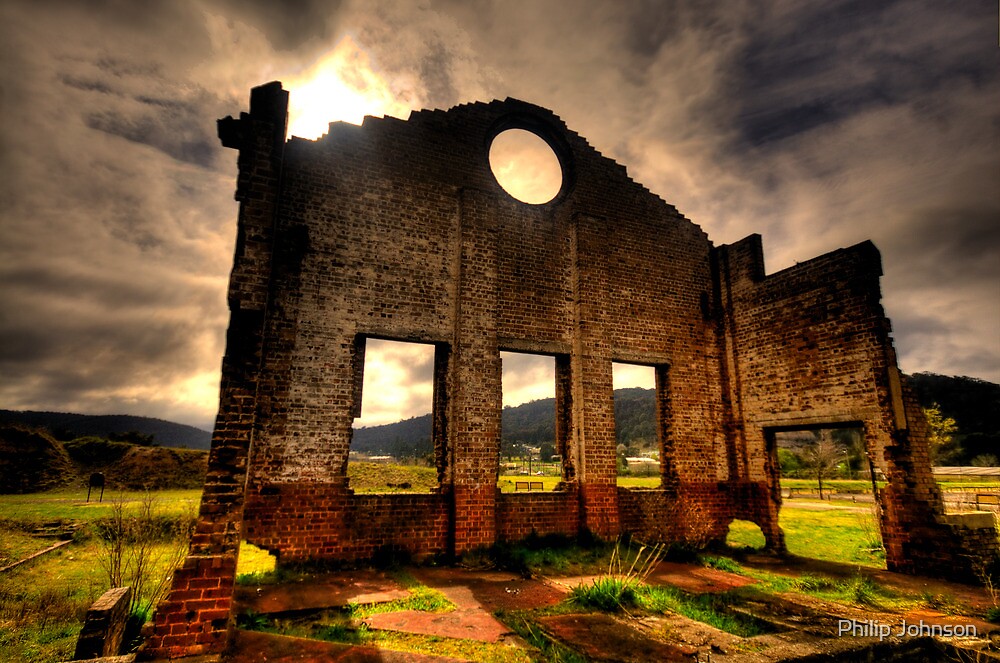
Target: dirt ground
pixel 800 626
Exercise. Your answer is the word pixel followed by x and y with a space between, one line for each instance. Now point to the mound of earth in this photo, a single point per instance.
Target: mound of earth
pixel 157 467
pixel 153 468
pixel 31 461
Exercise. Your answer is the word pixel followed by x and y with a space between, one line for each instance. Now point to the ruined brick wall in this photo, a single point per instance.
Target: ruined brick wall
pixel 521 515
pixel 195 616
pixel 322 521
pixel 919 537
pixel 398 230
pixel 808 347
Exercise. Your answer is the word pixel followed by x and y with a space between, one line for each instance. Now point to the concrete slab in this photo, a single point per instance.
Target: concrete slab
pixel 695 578
pixel 462 623
pixel 319 591
pixel 962 623
pixel 476 595
pixel 601 637
pixel 492 590
pixel 254 647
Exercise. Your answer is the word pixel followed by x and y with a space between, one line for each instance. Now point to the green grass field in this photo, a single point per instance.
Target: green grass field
pixel 72 504
pixel 42 603
pixel 835 536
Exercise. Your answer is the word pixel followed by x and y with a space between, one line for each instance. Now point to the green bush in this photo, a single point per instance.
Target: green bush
pixel 721 563
pixel 607 594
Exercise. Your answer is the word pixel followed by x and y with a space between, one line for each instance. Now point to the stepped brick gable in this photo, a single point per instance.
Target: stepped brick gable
pixel 398 230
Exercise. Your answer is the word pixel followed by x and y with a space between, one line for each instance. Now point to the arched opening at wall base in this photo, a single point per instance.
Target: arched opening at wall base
pixel 745 536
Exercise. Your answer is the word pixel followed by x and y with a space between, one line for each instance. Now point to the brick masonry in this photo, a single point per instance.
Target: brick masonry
pixel 104 626
pixel 398 230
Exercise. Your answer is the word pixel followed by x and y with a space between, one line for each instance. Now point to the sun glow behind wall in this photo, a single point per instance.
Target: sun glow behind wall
pixel 344 85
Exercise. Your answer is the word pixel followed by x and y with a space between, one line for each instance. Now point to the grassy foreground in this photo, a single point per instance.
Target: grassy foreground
pixel 42 603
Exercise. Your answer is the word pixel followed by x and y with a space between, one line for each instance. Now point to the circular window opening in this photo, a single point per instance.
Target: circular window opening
pixel 525 166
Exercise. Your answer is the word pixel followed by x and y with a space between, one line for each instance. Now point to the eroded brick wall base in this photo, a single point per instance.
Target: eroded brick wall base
pixel 696 513
pixel 520 516
pixel 194 617
pixel 307 522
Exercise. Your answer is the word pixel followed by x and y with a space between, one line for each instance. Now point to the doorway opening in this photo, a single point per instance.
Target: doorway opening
pixel 745 535
pixel 829 484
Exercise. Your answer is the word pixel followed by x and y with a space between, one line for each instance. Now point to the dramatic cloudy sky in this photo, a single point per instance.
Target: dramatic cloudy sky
pixel 817 124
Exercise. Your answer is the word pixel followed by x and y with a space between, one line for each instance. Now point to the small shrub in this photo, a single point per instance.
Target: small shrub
pixel 711 609
pixel 860 590
pixel 140 548
pixel 342 633
pixel 480 559
pixel 811 583
pixel 607 594
pixel 551 650
pixel 92 450
pixel 722 564
pixel 252 621
pixel 426 599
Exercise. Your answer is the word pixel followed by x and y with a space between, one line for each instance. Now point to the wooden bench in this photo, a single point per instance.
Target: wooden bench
pixel 988 499
pixel 537 485
pixel 528 485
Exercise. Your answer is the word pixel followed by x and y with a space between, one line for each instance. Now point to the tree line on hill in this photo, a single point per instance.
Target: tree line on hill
pixel 964 414
pixel 972 404
pixel 530 425
pixel 145 431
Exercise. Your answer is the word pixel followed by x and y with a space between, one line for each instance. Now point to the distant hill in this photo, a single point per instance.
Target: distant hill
pixel 530 423
pixel 32 461
pixel 66 426
pixel 973 403
pixel 404 439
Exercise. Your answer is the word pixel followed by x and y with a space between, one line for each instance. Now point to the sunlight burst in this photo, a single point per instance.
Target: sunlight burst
pixel 344 85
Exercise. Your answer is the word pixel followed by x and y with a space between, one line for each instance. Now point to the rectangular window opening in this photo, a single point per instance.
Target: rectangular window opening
pixel 531 456
pixel 638 443
pixel 397 438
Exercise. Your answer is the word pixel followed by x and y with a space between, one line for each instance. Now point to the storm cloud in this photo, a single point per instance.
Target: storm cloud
pixel 819 125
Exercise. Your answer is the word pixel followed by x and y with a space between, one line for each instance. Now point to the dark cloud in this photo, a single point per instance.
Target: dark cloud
pixel 824 62
pixel 958 245
pixel 436 78
pixel 288 25
pixel 172 133
pixel 817 125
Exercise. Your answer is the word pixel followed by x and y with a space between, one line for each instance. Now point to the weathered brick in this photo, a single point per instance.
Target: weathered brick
pixel 399 230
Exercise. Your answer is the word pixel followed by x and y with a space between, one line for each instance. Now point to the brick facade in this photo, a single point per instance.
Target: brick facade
pixel 398 230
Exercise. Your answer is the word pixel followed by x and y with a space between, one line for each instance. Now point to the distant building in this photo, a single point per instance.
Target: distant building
pixel 643 465
pixel 965 471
